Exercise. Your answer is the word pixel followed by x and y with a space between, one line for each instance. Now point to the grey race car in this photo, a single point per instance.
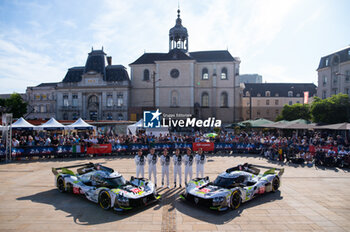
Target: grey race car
pixel 106 187
pixel 232 187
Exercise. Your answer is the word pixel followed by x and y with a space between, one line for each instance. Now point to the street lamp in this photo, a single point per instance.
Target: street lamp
pixel 154 88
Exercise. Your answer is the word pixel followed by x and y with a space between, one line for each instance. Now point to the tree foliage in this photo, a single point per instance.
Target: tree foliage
pixel 15 105
pixel 295 111
pixel 335 109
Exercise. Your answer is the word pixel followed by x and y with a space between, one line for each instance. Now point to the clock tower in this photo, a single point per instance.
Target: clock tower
pixel 178 36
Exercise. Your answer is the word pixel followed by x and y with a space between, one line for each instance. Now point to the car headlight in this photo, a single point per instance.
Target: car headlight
pixel 218 199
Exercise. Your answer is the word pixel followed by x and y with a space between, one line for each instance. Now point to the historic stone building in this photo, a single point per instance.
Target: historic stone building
pixel 96 91
pixel 334 74
pixel 203 83
pixel 266 100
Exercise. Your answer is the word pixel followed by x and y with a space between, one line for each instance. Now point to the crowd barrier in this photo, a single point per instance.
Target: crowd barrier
pixel 129 148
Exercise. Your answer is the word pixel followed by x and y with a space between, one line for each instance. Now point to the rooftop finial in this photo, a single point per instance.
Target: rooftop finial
pixel 178 9
pixel 102 48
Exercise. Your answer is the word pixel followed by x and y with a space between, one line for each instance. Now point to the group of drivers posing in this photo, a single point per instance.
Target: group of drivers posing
pixel 178 160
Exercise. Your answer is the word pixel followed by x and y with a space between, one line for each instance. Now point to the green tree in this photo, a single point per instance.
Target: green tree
pixel 295 111
pixel 16 105
pixel 335 109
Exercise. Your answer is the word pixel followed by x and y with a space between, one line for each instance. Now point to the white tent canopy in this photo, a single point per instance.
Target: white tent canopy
pixel 52 124
pixel 131 129
pixel 80 124
pixel 22 124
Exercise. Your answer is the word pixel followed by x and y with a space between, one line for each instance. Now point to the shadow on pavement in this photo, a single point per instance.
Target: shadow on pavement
pixel 83 211
pixel 219 218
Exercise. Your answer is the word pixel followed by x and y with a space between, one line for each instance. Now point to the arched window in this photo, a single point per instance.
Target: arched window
pixel 174 99
pixel 93 101
pixel 224 73
pixel 205 99
pixel 267 94
pixel 109 100
pixel 290 93
pixel 247 94
pixel 146 75
pixel 224 99
pixel 205 75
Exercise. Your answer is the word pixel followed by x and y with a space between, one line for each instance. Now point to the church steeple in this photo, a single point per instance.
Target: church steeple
pixel 178 36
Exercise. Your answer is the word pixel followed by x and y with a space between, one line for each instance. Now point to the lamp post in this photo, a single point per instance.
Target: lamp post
pixel 154 88
pixel 250 103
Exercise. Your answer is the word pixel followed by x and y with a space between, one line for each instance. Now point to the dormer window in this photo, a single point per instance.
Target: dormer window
pixel 327 61
pixel 267 94
pixel 247 94
pixel 258 95
pixel 276 95
pixel 205 75
pixel 290 93
pixel 223 73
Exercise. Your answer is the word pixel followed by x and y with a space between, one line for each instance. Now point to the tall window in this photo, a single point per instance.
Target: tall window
pixel 290 93
pixel 146 75
pixel 223 100
pixel 109 100
pixel 43 109
pixel 93 101
pixel 276 102
pixel 205 99
pixel 205 75
pixel 224 73
pixel 267 102
pixel 109 116
pixel 324 80
pixel 75 100
pixel 327 61
pixel 324 94
pixel 65 116
pixel 65 100
pixel 174 99
pixel 120 100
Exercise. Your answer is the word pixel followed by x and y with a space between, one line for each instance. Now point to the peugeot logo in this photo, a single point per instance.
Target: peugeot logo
pixel 196 200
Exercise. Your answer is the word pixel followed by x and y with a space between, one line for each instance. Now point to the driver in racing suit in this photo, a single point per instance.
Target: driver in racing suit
pixel 177 158
pixel 200 160
pixel 188 160
pixel 165 161
pixel 140 164
pixel 152 165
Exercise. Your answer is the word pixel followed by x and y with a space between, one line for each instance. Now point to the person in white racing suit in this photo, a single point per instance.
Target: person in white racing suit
pixel 177 158
pixel 152 159
pixel 200 161
pixel 140 164
pixel 165 162
pixel 188 161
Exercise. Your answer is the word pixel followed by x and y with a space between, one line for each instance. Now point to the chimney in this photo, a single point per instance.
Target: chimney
pixel 109 60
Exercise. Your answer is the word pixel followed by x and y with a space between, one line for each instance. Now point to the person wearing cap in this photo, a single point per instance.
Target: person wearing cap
pixel 164 162
pixel 152 165
pixel 177 158
pixel 188 161
pixel 140 164
pixel 200 160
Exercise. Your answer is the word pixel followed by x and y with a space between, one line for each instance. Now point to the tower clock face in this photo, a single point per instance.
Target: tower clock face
pixel 174 73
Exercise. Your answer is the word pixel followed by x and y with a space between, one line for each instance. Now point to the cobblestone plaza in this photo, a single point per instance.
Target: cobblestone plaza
pixel 309 199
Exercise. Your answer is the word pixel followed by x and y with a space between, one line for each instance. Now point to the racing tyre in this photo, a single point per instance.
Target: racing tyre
pixel 60 184
pixel 105 200
pixel 275 184
pixel 235 200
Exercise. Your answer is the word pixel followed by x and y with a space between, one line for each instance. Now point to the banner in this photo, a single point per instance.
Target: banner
pixel 206 146
pixel 137 146
pixel 306 97
pixel 312 148
pixel 119 147
pixel 100 149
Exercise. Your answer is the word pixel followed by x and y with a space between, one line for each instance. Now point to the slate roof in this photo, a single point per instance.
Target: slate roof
pixel 344 55
pixel 116 73
pixel 212 56
pixel 74 74
pixel 50 84
pixel 279 88
pixel 177 54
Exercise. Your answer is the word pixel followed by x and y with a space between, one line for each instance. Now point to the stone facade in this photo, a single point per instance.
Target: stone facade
pixel 334 74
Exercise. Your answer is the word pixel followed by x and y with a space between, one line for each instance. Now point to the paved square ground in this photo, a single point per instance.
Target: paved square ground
pixel 309 199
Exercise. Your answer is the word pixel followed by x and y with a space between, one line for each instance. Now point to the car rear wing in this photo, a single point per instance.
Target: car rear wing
pixel 66 171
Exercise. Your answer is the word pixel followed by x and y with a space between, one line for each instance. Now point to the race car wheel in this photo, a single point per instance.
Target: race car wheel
pixel 105 200
pixel 235 200
pixel 60 184
pixel 275 184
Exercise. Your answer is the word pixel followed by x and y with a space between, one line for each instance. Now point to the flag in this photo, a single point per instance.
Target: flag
pixel 306 97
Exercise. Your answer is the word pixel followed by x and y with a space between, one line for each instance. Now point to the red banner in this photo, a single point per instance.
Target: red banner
pixel 312 148
pixel 205 146
pixel 100 149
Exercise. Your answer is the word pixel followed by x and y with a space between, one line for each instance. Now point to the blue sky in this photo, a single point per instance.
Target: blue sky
pixel 281 40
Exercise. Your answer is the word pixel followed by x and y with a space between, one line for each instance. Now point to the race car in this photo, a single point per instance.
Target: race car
pixel 232 187
pixel 106 187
